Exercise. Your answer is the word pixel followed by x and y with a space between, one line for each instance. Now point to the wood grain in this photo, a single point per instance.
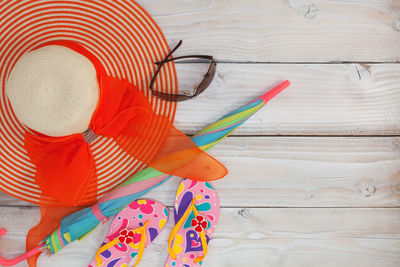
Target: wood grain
pixel 324 99
pixel 315 176
pixel 282 30
pixel 253 237
pixel 300 172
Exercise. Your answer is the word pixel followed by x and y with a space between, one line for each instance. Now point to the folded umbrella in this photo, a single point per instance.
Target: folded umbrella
pixel 82 222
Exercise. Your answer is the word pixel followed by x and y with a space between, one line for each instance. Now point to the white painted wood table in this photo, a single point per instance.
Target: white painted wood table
pixel 314 176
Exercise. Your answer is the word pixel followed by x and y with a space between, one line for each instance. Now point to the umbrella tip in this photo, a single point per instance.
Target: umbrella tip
pixel 274 91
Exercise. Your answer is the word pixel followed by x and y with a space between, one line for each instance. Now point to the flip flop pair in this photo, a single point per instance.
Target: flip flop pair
pixel 196 213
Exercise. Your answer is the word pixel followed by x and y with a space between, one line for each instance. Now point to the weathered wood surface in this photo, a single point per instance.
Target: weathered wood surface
pixel 324 99
pixel 253 237
pixel 327 193
pixel 300 172
pixel 283 30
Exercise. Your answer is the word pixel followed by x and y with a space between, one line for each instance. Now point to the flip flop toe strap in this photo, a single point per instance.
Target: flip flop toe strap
pixel 178 226
pixel 141 230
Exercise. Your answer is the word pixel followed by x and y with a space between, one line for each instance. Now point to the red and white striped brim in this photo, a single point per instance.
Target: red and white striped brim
pixel 120 34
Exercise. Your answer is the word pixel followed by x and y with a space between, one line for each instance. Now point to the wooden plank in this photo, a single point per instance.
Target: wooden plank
pixel 305 172
pixel 301 172
pixel 324 99
pixel 282 31
pixel 252 237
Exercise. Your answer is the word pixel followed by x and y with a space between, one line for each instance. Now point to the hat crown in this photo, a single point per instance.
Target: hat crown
pixel 53 90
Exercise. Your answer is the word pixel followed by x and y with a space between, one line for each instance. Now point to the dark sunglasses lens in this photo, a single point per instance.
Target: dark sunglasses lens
pixel 184 94
pixel 208 78
pixel 170 97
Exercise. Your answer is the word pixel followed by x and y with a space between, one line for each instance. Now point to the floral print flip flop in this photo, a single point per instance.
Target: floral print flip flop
pixel 196 213
pixel 132 229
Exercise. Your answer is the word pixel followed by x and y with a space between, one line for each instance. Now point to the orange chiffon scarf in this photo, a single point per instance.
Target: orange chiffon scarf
pixel 65 169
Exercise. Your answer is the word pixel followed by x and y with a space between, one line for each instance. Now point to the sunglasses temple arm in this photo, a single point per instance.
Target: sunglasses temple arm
pixel 166 59
pixel 184 57
pixel 273 92
pixel 11 262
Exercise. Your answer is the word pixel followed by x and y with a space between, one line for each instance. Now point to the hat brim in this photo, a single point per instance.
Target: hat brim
pixel 125 39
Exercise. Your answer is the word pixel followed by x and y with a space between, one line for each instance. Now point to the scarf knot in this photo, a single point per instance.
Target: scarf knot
pixel 89 136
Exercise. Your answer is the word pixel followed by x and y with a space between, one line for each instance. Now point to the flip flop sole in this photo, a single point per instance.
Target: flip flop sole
pixel 132 217
pixel 187 243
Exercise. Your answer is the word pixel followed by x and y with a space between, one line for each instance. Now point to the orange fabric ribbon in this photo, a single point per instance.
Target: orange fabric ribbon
pixel 65 166
pixel 65 169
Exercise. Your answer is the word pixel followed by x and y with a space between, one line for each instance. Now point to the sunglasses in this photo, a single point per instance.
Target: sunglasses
pixel 208 77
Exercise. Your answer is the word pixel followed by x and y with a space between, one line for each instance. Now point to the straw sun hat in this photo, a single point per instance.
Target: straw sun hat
pixel 75 100
pixel 53 90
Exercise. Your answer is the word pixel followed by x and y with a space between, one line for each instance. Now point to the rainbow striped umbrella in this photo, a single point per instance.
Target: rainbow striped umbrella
pixel 80 223
pixel 215 132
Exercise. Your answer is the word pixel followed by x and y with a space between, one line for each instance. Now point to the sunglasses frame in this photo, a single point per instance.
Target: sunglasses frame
pixel 208 77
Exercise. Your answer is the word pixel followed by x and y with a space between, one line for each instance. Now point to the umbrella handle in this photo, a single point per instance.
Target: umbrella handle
pixel 273 92
pixel 11 262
